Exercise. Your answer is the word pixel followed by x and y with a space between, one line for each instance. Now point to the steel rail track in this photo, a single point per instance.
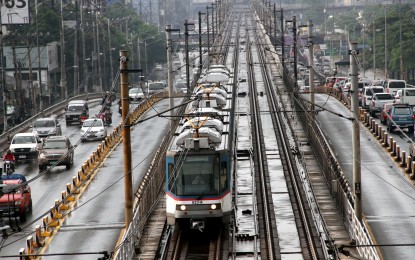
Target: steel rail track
pixel 265 210
pixel 300 200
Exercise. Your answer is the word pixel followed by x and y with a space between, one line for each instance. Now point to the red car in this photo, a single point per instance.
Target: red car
pixel 16 197
pixel 384 112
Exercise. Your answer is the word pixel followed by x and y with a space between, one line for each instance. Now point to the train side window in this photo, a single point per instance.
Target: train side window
pixel 223 176
pixel 171 179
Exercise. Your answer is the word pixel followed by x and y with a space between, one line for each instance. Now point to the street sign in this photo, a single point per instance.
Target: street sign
pixel 15 12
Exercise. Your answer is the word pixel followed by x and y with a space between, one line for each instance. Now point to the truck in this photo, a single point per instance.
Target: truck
pixel 15 197
pixel 377 102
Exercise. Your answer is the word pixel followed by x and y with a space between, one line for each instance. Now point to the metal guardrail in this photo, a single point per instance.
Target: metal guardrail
pixel 55 109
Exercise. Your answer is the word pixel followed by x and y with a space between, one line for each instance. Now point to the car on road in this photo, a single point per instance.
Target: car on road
pixel 180 86
pixel 136 94
pixel 155 87
pixel 377 102
pixel 385 112
pixel 25 145
pixel 401 115
pixel 17 198
pixel 93 129
pixel 56 150
pixel 367 94
pixel 75 111
pixel 47 126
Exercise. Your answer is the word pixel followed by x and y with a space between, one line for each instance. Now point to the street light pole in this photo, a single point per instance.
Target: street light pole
pixel 110 49
pixel 386 45
pixel 145 52
pixel 186 42
pixel 84 65
pixel 38 60
pixel 200 42
pixel 63 68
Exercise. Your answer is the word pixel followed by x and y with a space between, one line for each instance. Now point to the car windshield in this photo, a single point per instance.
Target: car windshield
pixel 76 108
pixel 44 123
pixel 135 91
pixel 24 140
pixel 384 96
pixel 54 144
pixel 370 92
pixel 396 84
pixel 156 86
pixel 93 123
pixel 403 111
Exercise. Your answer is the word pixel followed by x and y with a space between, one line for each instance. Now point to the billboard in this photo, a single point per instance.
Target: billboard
pixel 15 12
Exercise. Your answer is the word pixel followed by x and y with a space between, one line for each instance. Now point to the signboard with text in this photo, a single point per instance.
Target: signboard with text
pixel 14 12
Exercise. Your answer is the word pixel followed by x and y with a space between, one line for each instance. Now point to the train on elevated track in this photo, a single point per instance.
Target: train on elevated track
pixel 199 160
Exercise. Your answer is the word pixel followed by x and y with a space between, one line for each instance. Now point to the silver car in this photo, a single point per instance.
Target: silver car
pixel 47 126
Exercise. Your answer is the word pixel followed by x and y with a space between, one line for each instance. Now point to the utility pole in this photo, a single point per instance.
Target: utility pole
pixel 282 41
pixel 75 51
pixel 98 52
pixel 170 68
pixel 275 27
pixel 94 54
pixel 208 32
pixel 213 25
pixel 200 43
pixel 110 49
pixel 186 43
pixel 85 67
pixel 39 70
pixel 63 68
pixel 401 69
pixel 3 76
pixel 386 46
pixel 126 137
pixel 294 21
pixel 357 187
pixel 311 66
pixel 31 88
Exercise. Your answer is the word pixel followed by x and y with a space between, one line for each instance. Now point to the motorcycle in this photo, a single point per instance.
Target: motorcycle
pixel 8 167
pixel 106 116
pixel 82 118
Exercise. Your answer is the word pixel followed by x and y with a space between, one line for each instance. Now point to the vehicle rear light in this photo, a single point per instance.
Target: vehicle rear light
pixel 413 117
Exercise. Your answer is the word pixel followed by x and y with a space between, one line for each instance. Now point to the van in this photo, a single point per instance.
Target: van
pixel 75 109
pixel 393 85
pixel 405 96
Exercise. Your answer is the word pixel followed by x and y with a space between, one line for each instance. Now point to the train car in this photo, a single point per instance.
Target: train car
pixel 199 160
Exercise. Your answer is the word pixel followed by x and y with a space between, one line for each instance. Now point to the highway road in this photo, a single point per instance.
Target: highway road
pixel 96 222
pixel 387 196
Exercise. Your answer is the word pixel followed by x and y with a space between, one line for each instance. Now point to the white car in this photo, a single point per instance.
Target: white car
pixel 25 145
pixel 93 129
pixel 136 94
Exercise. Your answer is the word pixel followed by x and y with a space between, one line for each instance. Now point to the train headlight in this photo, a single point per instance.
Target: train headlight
pixel 183 207
pixel 213 206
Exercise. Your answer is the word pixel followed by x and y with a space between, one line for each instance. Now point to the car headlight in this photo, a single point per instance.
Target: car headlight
pixel 82 131
pixel 17 202
pixel 101 130
pixel 52 131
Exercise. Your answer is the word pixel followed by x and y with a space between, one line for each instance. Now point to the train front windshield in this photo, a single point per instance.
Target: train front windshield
pixel 197 175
